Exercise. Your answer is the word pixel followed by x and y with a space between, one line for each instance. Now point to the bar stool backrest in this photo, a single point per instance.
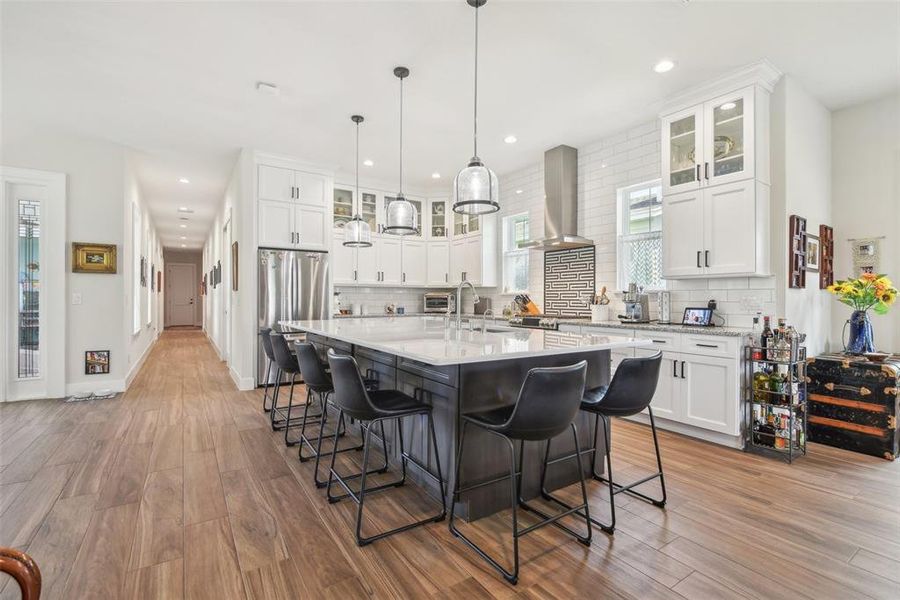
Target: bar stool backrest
pixel 548 402
pixel 283 357
pixel 349 390
pixel 633 386
pixel 267 343
pixel 311 367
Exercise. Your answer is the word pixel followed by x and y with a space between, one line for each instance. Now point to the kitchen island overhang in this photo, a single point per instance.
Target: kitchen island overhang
pixel 462 371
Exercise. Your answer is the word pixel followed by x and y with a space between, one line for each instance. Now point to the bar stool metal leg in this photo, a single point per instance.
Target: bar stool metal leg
pixel 266 384
pixel 628 488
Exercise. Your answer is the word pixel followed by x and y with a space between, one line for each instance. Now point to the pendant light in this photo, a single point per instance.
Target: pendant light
pixel 476 190
pixel 402 218
pixel 357 233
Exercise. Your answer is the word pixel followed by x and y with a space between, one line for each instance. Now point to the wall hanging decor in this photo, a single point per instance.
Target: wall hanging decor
pixel 159 281
pixel 93 258
pixel 812 253
pixel 96 362
pixel 866 253
pixel 234 266
pixel 143 272
pixel 826 256
pixel 152 277
pixel 797 252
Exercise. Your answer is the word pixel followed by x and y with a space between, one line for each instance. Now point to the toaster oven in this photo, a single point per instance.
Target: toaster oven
pixel 440 302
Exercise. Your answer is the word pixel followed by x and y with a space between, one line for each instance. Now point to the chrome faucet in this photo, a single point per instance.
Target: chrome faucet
pixel 484 319
pixel 475 299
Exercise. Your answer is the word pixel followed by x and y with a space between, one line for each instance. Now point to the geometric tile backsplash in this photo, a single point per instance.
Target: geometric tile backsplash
pixel 568 281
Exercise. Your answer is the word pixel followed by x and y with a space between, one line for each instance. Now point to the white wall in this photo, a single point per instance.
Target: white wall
pixel 193 257
pixel 99 187
pixel 866 191
pixel 801 185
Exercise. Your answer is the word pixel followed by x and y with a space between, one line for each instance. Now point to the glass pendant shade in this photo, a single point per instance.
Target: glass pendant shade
pixel 476 190
pixel 357 233
pixel 402 217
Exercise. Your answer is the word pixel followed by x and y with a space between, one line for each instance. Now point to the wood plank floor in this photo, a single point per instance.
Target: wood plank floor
pixel 180 489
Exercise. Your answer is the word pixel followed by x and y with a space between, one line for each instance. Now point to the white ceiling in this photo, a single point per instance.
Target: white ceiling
pixel 176 81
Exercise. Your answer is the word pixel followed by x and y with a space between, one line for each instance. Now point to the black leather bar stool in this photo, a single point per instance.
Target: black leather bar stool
pixel 270 364
pixel 629 392
pixel 352 400
pixel 547 405
pixel 288 366
pixel 318 383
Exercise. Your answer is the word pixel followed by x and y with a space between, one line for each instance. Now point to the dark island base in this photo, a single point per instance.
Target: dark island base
pixel 458 389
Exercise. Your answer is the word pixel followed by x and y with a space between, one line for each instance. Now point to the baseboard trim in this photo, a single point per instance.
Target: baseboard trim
pixel 116 385
pixel 132 373
pixel 714 437
pixel 244 384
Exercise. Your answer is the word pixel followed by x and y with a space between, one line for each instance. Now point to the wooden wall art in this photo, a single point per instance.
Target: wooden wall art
pixel 797 252
pixel 826 260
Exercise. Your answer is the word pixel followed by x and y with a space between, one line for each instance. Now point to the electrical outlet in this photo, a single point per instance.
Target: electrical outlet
pixel 711 304
pixel 76 298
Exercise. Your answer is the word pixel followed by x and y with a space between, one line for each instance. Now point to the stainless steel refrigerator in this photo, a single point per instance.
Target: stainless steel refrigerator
pixel 293 285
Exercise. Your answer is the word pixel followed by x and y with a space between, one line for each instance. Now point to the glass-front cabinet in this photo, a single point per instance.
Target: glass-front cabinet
pixel 438 219
pixel 465 224
pixel 710 143
pixel 369 209
pixel 682 150
pixel 729 138
pixel 342 210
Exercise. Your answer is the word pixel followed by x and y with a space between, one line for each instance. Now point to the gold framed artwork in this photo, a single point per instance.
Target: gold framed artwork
pixel 93 258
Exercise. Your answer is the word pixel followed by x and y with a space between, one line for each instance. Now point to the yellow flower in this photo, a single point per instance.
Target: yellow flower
pixel 888 296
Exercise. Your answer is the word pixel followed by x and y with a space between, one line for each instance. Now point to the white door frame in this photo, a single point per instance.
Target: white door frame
pixel 226 289
pixel 168 309
pixel 52 320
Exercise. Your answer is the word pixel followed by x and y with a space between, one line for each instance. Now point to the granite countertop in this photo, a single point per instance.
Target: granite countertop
pixel 425 339
pixel 671 327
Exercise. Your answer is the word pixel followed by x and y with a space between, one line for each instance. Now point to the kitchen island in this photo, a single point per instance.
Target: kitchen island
pixel 459 371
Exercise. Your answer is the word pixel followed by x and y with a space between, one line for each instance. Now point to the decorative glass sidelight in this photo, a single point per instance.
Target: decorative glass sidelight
pixel 28 271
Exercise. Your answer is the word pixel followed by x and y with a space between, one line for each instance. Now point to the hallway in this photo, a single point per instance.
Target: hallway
pixel 180 489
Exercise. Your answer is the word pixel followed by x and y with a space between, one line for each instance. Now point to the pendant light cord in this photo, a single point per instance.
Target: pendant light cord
pixel 475 122
pixel 358 199
pixel 401 136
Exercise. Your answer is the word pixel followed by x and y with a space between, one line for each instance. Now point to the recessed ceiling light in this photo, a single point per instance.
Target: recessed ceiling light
pixel 728 106
pixel 602 165
pixel 435 175
pixel 183 180
pixel 510 139
pixel 269 89
pixel 518 191
pixel 183 226
pixel 368 163
pixel 185 209
pixel 664 66
pixel 184 245
pixel 184 237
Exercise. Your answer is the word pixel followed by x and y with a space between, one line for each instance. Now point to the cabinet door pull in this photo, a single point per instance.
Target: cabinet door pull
pixel 682 370
pixel 674 368
pixel 707 345
pixel 706 257
pixel 698 172
pixel 658 341
pixel 698 259
pixel 446 277
pixel 705 171
pixel 403 278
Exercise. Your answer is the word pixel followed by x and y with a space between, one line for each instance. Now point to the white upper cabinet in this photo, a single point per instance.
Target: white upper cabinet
pixel 438 264
pixel 367 272
pixel 682 150
pixel 415 266
pixel 343 262
pixel 292 208
pixel 389 253
pixel 715 174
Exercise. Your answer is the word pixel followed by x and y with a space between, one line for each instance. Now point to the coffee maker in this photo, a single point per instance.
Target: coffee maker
pixel 637 305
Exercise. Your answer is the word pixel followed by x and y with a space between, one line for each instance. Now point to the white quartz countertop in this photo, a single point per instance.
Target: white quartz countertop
pixel 425 339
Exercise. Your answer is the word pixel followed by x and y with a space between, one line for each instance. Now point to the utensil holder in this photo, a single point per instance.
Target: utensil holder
pixel 599 313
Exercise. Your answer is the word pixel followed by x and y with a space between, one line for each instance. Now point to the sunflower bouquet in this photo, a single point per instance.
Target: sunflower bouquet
pixel 868 291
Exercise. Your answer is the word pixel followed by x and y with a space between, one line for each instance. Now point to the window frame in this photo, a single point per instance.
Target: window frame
pixel 623 212
pixel 507 223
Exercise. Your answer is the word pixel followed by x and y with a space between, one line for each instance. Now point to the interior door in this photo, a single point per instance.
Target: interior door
pixel 729 228
pixel 683 234
pixel 181 289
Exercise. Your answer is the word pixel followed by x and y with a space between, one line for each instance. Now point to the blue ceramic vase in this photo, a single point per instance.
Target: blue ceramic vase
pixel 861 340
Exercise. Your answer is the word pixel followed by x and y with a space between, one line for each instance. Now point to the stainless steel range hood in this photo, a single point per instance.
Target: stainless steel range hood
pixel 560 202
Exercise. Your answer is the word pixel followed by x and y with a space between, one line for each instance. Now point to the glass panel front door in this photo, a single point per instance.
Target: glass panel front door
pixel 28 269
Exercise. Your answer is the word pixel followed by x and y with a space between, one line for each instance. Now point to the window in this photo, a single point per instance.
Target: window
pixel 137 265
pixel 29 288
pixel 515 259
pixel 640 236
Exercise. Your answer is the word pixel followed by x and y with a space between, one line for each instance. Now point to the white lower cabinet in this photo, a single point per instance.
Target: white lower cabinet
pixel 415 270
pixel 457 261
pixel 666 400
pixel 438 263
pixel 709 389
